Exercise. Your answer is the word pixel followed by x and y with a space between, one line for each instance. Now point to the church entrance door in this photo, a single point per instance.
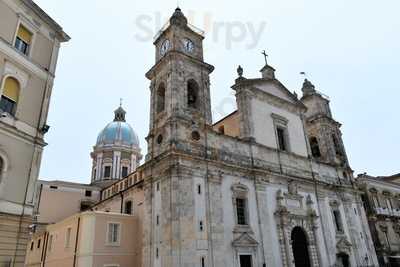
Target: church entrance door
pixel 245 261
pixel 343 260
pixel 300 248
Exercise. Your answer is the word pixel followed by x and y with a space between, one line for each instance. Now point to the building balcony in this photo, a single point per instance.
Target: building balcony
pixel 387 212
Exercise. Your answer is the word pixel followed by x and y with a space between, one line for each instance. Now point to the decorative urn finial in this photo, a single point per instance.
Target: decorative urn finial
pixel 308 88
pixel 240 71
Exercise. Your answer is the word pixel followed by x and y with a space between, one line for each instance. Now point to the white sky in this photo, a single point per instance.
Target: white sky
pixel 349 49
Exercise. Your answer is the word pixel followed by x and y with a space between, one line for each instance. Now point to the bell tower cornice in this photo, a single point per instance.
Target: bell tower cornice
pixel 174 55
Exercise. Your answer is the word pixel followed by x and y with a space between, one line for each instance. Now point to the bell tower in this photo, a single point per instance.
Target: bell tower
pixel 180 87
pixel 325 136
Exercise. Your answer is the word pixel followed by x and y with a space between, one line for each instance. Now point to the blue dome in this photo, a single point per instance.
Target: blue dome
pixel 118 132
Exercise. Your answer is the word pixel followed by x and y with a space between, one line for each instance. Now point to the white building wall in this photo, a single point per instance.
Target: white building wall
pixel 264 130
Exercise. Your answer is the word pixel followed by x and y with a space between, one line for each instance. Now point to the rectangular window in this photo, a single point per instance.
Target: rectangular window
pixel 23 40
pixel 107 171
pixel 203 262
pixel 241 211
pixel 53 187
pixel 245 261
pixel 281 139
pixel 88 193
pixel 124 172
pixel 201 227
pixel 158 219
pixel 32 245
pixel 68 238
pixel 158 186
pixel 38 243
pixel 113 233
pixel 199 189
pixel 7 105
pixel 128 207
pixel 338 221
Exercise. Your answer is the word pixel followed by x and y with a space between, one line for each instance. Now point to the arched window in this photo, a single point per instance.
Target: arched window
pixel 160 102
pixel 316 153
pixel 192 94
pixel 9 98
pixel 338 149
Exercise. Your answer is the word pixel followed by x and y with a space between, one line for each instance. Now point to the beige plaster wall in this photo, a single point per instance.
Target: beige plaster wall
pixel 69 198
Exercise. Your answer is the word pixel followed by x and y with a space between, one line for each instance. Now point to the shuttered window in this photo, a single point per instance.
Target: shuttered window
pixel 9 98
pixel 23 40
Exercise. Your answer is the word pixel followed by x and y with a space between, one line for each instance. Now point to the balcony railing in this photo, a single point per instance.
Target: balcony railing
pixel 387 212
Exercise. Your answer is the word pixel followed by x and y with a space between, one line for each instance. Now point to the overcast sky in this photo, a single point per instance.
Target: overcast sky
pixel 349 50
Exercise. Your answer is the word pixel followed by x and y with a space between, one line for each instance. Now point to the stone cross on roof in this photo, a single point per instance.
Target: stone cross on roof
pixel 265 56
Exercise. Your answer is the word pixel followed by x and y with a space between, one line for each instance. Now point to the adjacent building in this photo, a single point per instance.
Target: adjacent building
pixel 381 198
pixel 29 46
pixel 88 239
pixel 74 198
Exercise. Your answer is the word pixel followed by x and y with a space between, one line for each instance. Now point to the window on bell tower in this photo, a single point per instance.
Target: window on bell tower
pixel 160 102
pixel 336 145
pixel 315 151
pixel 192 94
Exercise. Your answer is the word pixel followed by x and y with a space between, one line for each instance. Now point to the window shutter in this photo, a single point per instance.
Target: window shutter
pixel 24 34
pixel 110 233
pixel 11 89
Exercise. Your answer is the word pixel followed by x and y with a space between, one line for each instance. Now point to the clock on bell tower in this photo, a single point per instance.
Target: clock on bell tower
pixel 180 85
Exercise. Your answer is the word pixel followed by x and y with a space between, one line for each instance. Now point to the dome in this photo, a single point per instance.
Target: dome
pixel 118 132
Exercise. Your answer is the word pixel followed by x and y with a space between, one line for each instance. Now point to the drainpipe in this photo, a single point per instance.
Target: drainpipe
pixel 76 241
pixel 44 248
pixel 122 202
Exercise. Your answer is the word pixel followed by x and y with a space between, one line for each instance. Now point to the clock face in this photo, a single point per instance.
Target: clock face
pixel 188 45
pixel 164 47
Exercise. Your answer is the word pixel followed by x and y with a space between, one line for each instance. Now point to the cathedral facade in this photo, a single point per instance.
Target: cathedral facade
pixel 268 185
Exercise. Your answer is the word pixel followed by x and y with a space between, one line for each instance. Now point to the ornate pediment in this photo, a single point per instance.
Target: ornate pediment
pixel 245 240
pixel 343 245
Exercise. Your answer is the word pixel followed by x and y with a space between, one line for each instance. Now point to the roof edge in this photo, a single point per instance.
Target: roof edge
pixel 62 36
